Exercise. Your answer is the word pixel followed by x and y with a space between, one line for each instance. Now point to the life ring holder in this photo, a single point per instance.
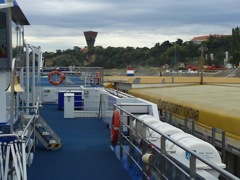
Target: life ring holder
pixel 60 74
pixel 115 127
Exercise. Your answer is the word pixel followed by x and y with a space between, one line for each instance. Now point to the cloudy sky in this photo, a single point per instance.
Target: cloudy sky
pixel 59 24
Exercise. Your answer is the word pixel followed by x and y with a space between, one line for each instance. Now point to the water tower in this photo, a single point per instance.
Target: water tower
pixel 90 37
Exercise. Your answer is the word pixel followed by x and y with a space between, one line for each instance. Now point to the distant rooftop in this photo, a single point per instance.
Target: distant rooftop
pixel 199 39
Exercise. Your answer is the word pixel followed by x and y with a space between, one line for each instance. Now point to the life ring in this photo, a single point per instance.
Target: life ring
pixel 60 74
pixel 115 127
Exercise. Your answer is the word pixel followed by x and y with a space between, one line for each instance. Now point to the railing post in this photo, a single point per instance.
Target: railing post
pixel 14 160
pixel 7 161
pixel 186 121
pixel 223 146
pixel 162 115
pixel 34 134
pixel 193 127
pixel 213 136
pixel 131 150
pixel 121 131
pixel 18 154
pixel 186 125
pixel 167 116
pixel 170 118
pixel 144 149
pixel 24 159
pixel 29 145
pixel 192 167
pixel 163 152
pixel 100 106
pixel 223 143
pixel 1 161
pixel 163 145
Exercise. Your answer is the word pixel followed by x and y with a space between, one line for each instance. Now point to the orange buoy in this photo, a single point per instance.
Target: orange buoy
pixel 115 127
pixel 60 74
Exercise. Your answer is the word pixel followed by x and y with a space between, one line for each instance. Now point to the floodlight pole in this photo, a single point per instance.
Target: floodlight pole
pixel 175 54
pixel 201 62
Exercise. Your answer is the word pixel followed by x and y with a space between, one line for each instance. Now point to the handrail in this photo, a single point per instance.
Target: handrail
pixel 36 107
pixel 9 135
pixel 76 68
pixel 87 76
pixel 223 172
pixel 27 126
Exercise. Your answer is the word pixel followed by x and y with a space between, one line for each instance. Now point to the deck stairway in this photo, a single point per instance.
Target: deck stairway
pixel 46 135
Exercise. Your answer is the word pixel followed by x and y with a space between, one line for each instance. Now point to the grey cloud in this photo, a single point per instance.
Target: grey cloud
pixel 168 17
pixel 140 13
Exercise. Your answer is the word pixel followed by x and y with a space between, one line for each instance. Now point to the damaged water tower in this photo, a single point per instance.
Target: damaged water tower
pixel 90 37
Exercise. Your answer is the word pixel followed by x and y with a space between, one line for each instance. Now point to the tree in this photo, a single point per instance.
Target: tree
pixel 158 55
pixel 58 51
pixel 179 42
pixel 235 47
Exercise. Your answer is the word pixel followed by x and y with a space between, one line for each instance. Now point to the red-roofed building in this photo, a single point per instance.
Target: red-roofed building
pixel 85 49
pixel 200 39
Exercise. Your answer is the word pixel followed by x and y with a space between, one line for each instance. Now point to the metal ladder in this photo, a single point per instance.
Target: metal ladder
pixel 46 135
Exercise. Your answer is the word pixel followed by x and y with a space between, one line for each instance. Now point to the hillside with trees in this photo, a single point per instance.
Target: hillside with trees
pixel 170 53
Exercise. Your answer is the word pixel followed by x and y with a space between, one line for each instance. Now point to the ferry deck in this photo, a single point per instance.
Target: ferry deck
pixel 62 124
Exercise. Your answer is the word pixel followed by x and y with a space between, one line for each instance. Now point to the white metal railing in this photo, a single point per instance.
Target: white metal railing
pixel 16 150
pixel 85 76
pixel 12 157
pixel 28 135
pixel 160 153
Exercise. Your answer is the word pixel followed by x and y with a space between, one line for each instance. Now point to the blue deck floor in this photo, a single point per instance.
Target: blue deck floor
pixel 85 153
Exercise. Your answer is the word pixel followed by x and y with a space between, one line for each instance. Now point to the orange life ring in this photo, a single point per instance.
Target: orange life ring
pixel 60 74
pixel 115 127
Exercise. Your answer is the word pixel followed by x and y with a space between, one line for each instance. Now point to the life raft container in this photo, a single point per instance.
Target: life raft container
pixel 115 127
pixel 56 72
